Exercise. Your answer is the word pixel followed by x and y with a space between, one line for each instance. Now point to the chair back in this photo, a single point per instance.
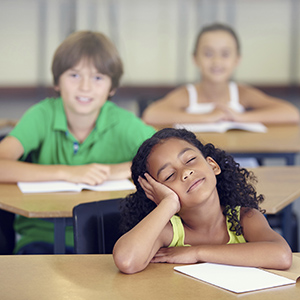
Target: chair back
pixel 96 226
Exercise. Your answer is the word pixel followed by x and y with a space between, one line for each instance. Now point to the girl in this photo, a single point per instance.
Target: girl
pixel 194 204
pixel 216 98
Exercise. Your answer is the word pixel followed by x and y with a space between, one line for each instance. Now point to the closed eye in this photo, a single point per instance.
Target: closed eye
pixel 169 177
pixel 190 160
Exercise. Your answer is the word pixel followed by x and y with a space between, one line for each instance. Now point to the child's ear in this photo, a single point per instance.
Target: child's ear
pixel 112 92
pixel 56 88
pixel 215 167
pixel 238 60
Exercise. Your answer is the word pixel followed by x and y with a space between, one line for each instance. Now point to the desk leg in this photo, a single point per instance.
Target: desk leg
pixel 287 225
pixel 59 235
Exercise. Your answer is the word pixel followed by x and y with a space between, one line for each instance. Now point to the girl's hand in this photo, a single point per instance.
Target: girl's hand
pixel 91 174
pixel 176 255
pixel 230 114
pixel 157 191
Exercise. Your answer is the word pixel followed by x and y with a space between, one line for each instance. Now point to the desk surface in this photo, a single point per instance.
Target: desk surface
pixel 96 277
pixel 280 185
pixel 49 205
pixel 278 139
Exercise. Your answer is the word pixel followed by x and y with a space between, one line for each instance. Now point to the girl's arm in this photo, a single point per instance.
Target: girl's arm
pixel 264 248
pixel 171 109
pixel 135 249
pixel 12 170
pixel 263 108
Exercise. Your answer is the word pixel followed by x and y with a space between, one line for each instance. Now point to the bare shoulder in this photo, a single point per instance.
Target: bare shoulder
pixel 178 97
pixel 166 235
pixel 249 95
pixel 252 218
pixel 248 213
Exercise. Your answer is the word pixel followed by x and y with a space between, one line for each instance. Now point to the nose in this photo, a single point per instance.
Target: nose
pixel 186 174
pixel 85 84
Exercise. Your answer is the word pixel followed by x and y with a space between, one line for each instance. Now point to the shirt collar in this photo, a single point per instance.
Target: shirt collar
pixel 106 119
pixel 60 119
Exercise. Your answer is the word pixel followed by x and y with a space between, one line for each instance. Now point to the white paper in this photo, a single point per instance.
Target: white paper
pixel 234 278
pixel 222 126
pixel 64 186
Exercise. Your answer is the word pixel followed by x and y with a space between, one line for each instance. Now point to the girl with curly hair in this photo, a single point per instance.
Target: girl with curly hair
pixel 194 203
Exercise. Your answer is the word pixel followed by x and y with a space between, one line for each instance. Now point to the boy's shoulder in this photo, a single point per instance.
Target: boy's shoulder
pixel 114 112
pixel 48 104
pixel 112 116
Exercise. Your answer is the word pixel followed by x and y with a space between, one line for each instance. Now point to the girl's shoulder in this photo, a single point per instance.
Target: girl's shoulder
pixel 178 97
pixel 247 213
pixel 166 235
pixel 248 95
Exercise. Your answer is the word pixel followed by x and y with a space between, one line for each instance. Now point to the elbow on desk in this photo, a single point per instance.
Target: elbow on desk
pixel 126 267
pixel 285 260
pixel 126 264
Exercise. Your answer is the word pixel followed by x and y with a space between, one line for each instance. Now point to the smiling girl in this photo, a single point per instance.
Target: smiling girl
pixel 194 204
pixel 216 97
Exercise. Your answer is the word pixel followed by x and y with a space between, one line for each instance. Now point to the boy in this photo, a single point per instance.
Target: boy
pixel 77 137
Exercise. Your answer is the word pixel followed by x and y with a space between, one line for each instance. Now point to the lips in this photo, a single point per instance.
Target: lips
pixel 84 99
pixel 195 184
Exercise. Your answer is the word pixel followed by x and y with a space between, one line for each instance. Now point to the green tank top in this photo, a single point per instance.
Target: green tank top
pixel 179 235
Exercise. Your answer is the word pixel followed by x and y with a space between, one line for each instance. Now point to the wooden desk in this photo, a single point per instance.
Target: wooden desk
pixel 96 277
pixel 278 141
pixel 56 207
pixel 280 185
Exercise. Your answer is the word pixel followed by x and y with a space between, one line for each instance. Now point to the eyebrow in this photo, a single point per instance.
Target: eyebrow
pixel 166 164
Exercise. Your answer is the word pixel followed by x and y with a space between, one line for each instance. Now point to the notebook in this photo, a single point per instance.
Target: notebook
pixel 64 186
pixel 222 127
pixel 241 279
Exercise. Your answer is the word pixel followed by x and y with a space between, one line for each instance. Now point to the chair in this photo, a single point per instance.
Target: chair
pixel 96 226
pixel 7 233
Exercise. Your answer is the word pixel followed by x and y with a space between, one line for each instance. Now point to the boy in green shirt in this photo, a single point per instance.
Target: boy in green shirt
pixel 78 137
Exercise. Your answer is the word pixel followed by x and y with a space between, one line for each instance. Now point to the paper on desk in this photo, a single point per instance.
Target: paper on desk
pixel 223 126
pixel 234 278
pixel 64 186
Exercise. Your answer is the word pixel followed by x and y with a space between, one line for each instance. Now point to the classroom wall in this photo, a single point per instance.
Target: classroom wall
pixel 155 38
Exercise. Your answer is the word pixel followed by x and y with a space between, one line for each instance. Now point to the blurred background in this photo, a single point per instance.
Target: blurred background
pixel 155 40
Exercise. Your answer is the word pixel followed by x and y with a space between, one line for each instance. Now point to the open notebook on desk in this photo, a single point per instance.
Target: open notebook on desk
pixel 64 186
pixel 222 127
pixel 242 279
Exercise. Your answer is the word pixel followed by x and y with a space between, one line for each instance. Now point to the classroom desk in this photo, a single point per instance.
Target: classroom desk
pixel 279 141
pixel 280 185
pixel 91 277
pixel 56 207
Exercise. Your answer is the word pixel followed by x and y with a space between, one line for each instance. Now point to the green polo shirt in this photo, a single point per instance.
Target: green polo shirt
pixel 44 134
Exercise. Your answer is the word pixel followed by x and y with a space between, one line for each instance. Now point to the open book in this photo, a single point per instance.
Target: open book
pixel 242 279
pixel 64 186
pixel 222 127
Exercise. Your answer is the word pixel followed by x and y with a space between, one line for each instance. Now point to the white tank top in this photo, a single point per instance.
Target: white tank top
pixel 207 107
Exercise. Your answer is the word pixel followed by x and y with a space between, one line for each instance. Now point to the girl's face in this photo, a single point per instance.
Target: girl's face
pixel 84 89
pixel 182 167
pixel 217 56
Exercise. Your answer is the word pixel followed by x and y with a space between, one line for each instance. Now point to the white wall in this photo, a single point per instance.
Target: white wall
pixel 155 38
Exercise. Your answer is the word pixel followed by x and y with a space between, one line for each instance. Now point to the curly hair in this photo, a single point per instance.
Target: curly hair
pixel 234 184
